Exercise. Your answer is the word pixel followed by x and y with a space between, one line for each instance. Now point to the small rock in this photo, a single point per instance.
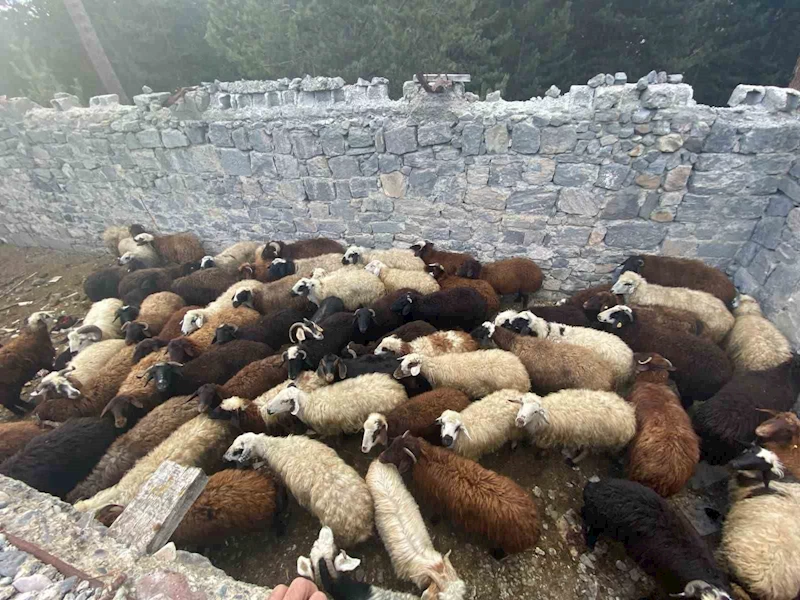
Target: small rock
pixel 32 583
pixel 597 80
pixel 621 565
pixel 620 78
pixel 609 79
pixel 662 77
pixel 10 562
pixel 652 77
pixel 586 560
pixel 539 551
pixel 537 491
pixel 676 78
pixel 167 553
pixel 551 494
pixel 594 479
pixel 146 89
pixel 552 551
pixel 573 552
pixel 494 96
pixel 553 92
pixel 642 84
pixel 5 581
pixel 635 574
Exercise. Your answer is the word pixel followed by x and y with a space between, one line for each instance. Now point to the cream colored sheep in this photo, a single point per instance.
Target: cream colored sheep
pixel 305 267
pixel 341 407
pixel 396 279
pixel 143 252
pixel 482 427
pixel 394 258
pixel 100 323
pixel 477 374
pixel 577 419
pixel 319 480
pixel 755 344
pixel 716 318
pixel 232 257
pixel 435 344
pixel 81 370
pixel 195 319
pixel 356 288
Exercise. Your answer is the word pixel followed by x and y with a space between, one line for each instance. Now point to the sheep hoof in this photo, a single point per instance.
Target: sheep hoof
pixel 498 553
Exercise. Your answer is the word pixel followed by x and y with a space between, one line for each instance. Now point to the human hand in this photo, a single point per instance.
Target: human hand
pixel 299 589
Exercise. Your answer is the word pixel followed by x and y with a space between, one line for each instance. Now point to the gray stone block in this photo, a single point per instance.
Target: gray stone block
pixel 505 175
pixel 791 188
pixel 779 206
pixel 421 159
pixel 287 166
pixel 262 164
pixel 220 135
pixel 368 165
pixel 306 145
pixel 149 138
pixel 422 181
pixel 260 140
pixel 525 138
pixel 497 139
pixel 319 190
pixel 387 163
pixel 775 138
pixel 172 138
pixel 642 236
pixel 574 175
pixel 400 140
pixel 361 187
pixel 486 198
pixel 344 167
pixel 768 232
pixel 234 162
pixel 332 142
pixel 624 205
pixel 472 139
pixel 436 133
pixel 578 202
pixel 558 140
pixel 240 140
pixel 612 177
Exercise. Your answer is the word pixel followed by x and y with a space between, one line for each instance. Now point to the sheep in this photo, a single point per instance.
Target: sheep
pixel 135 398
pixel 22 358
pixel 478 500
pixel 170 330
pixel 394 258
pixel 98 324
pixel 418 416
pixel 435 344
pixel 781 435
pixel 403 532
pixel 148 433
pixel 57 460
pixel 378 318
pixel 579 298
pixel 755 344
pixel 407 332
pixel 614 351
pixel 519 276
pixel 551 365
pixel 477 374
pixel 175 247
pixel 577 419
pixel 566 314
pixel 113 235
pixel 337 331
pixel 141 252
pixel 456 308
pixel 301 249
pixel 200 442
pixel 303 267
pixel 204 286
pixel 482 427
pixel 328 307
pixel 14 436
pixel 665 450
pixel 320 481
pixel 716 318
pixel 701 367
pixel 154 313
pixel 341 407
pixel 273 329
pixel 450 261
pixel 334 368
pixel 660 540
pixel 356 288
pixel 136 286
pixel 447 282
pixel 249 382
pixel 90 363
pixel 682 273
pixel 103 283
pixel 269 297
pixel 231 258
pixel 730 417
pixel 396 279
pixel 195 319
pixel 761 541
pixel 671 318
pixel 185 348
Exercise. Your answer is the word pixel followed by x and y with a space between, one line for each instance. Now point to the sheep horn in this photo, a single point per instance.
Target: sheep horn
pixel 644 362
pixel 125 325
pixel 292 329
pixel 175 364
pixel 146 327
pixel 411 454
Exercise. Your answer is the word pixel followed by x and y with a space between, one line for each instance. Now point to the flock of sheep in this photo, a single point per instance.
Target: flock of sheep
pixel 261 353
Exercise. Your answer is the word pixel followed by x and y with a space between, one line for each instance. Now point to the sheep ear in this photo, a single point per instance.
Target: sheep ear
pixel 416 370
pixel 342 369
pixel 344 563
pixel 300 334
pixel 304 567
pixel 296 407
pixel 466 432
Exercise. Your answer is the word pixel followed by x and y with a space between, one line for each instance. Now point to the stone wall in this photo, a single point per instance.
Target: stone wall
pixel 574 181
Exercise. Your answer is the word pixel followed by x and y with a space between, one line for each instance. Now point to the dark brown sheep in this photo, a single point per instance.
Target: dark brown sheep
pixel 483 503
pixel 22 358
pixel 137 394
pixel 408 332
pixel 682 272
pixel 484 288
pixel 185 348
pixel 518 276
pixel 137 286
pixel 148 433
pixel 671 318
pixel 151 317
pixel 272 329
pixel 170 330
pixel 14 436
pixel 781 435
pixel 104 283
pixel 249 382
pixel 578 298
pixel 566 314
pixel 204 286
pixel 450 261
pixel 300 249
pixel 665 450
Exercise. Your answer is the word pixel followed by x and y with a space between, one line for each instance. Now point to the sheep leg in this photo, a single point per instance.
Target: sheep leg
pixel 523 298
pixel 592 535
pixel 281 519
pixel 573 458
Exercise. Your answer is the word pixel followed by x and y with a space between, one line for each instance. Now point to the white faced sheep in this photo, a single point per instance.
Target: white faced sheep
pixel 81 370
pixel 195 319
pixel 315 475
pixel 356 288
pixel 397 279
pixel 394 258
pixel 341 407
pixel 232 257
pixel 435 344
pixel 577 420
pixel 177 248
pixel 141 252
pixel 22 358
pixel 716 318
pixel 303 267
pixel 100 323
pixel 482 427
pixel 477 374
pixel 755 344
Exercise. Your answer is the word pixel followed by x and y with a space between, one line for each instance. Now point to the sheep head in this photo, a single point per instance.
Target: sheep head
pixel 126 258
pixel 290 399
pixel 41 318
pixel 632 264
pixel 410 366
pixel 403 304
pixel 331 367
pixel 471 269
pixel 126 314
pixel 136 331
pixel 700 590
pixel 652 361
pixel 528 323
pixel 376 431
pixel 375 267
pixel 242 450
pixel 207 397
pixel 182 350
pixel 146 347
pixel 435 270
pixel 243 297
pixel 272 250
pixel 627 283
pixel 365 318
pixel 760 460
pixel 192 321
pixel 304 287
pixel 451 426
pixel 616 317
pixel 531 414
pixel 295 357
pixel 304 330
pixel 352 255
pixel 598 303
pixel 403 452
pixel 745 305
pixel 420 247
pixel 83 337
pixel 483 332
pixel 782 428
pixel 143 239
pixel 108 514
pixel 325 558
pixel 207 262
pixel 280 268
pixel 391 344
pixel 119 407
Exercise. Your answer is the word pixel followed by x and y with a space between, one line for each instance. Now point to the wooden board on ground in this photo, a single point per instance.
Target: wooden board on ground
pixel 151 518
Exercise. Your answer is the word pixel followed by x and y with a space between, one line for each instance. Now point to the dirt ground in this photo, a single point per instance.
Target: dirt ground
pixel 559 568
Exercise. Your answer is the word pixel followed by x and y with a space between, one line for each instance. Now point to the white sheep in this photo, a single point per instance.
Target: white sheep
pixel 755 344
pixel 320 481
pixel 435 344
pixel 477 374
pixel 483 426
pixel 716 318
pixel 231 257
pixel 355 287
pixel 100 323
pixel 396 279
pixel 139 249
pixel 605 345
pixel 307 267
pixel 342 407
pixel 80 371
pixel 196 318
pixel 403 532
pixel 577 419
pixel 394 258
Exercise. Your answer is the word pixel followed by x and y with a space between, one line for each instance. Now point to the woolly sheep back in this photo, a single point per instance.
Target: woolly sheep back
pixel 754 343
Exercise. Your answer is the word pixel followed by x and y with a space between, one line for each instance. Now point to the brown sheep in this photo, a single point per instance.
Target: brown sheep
pixel 22 358
pixel 484 288
pixel 682 272
pixel 417 416
pixel 408 332
pixel 151 317
pixel 269 297
pixel 300 249
pixel 137 286
pixel 170 330
pixel 450 261
pixel 14 436
pixel 148 433
pixel 251 381
pixel 518 276
pixel 578 298
pixel 204 286
pixel 185 348
pixel 671 318
pixel 781 435
pixel 176 247
pixel 480 501
pixel 665 450
pixel 137 394
pixel 552 366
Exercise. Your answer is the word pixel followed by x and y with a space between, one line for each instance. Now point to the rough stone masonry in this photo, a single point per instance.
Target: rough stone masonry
pixel 574 181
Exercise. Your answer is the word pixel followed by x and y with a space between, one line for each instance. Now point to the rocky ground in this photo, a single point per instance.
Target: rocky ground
pixel 559 568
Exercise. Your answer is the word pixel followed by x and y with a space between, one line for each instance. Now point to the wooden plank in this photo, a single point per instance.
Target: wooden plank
pixel 454 77
pixel 151 518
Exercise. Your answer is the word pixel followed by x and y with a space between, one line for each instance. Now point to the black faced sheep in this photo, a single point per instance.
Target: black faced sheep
pixel 104 283
pixel 518 276
pixel 450 261
pixel 273 329
pixel 671 318
pixel 204 286
pixel 301 249
pixel 407 332
pixel 151 317
pixel 456 308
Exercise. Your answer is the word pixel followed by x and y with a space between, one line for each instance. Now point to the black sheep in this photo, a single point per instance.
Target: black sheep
pixel 330 306
pixel 272 329
pixel 337 332
pixel 334 368
pixel 455 308
pixel 136 286
pixel 104 283
pixel 378 318
pixel 662 542
pixel 204 286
